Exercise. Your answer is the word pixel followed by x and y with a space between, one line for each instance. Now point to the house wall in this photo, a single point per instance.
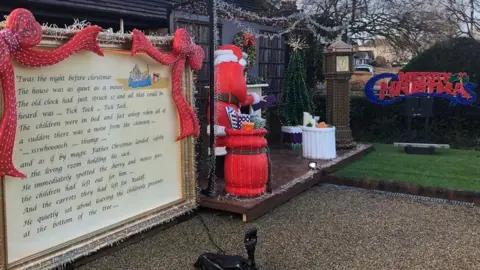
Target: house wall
pixel 360 61
pixel 381 50
pixel 386 51
pixel 229 30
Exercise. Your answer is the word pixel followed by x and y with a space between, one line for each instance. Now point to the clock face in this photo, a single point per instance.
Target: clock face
pixel 343 63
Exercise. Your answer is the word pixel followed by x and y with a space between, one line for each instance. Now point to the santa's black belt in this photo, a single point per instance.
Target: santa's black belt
pixel 227 98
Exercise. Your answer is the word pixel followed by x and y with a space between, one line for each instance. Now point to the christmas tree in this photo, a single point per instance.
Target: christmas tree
pixel 296 97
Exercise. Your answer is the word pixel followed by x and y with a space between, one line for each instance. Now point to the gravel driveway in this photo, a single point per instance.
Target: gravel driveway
pixel 324 228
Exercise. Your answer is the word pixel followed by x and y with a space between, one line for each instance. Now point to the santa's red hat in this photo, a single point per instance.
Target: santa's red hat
pixel 230 53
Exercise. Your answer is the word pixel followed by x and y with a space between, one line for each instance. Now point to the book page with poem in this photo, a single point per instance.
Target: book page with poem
pixel 96 138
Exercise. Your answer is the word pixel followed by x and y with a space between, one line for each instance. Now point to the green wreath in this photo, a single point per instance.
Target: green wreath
pixel 246 42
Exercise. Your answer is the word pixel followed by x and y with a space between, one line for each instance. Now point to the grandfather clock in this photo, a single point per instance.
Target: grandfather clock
pixel 338 71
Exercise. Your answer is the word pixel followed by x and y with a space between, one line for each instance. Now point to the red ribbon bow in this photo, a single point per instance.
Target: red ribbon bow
pixel 184 51
pixel 183 45
pixel 22 33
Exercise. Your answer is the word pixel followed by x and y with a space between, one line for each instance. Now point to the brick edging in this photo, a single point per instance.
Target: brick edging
pixel 408 188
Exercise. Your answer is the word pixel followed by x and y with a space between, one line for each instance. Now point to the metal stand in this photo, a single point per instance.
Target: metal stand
pixel 269 179
pixel 250 241
pixel 212 185
pixel 213 261
pixel 418 107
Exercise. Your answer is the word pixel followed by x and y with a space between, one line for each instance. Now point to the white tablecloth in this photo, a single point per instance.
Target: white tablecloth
pixel 319 143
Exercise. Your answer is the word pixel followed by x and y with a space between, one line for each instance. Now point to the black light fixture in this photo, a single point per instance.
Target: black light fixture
pixel 312 165
pixel 214 261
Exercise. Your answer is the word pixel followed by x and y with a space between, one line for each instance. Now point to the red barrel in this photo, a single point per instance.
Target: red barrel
pixel 246 162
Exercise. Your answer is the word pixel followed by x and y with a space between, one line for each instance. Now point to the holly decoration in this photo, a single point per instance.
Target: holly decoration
pixel 247 43
pixel 296 97
pixel 455 77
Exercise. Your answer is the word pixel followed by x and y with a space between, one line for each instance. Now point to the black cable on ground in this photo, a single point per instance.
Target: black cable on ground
pixel 210 235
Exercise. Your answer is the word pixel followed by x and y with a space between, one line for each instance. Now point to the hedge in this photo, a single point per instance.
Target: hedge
pixel 458 126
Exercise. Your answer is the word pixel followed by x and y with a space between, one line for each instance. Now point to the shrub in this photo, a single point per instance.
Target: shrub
pixel 380 61
pixel 454 55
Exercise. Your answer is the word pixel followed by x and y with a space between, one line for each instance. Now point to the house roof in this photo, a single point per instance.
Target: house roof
pixel 141 14
pixel 376 42
pixel 132 8
pixel 340 45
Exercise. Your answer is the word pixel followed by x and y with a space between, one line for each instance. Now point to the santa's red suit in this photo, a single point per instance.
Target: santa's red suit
pixel 230 89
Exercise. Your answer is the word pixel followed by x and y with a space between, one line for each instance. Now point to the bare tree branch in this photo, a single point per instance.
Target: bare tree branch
pixel 407 25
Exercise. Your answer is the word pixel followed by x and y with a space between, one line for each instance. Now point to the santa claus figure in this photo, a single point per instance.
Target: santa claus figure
pixel 231 94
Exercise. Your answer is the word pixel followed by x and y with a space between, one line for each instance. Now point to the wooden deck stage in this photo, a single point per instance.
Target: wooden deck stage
pixel 291 176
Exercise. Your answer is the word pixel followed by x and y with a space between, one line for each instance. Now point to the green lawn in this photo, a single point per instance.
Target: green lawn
pixel 448 168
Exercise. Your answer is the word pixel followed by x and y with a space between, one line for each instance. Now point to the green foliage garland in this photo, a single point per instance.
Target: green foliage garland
pixel 255 80
pixel 296 97
pixel 247 43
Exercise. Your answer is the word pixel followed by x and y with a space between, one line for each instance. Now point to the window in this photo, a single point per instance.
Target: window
pixel 271 64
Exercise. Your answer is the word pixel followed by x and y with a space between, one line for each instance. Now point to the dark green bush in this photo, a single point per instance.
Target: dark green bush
pixel 454 55
pixel 458 126
pixel 380 61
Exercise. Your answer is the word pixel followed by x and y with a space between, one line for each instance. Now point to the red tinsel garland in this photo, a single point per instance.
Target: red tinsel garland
pixel 21 34
pixel 184 51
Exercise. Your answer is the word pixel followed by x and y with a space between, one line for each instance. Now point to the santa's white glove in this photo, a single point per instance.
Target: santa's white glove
pixel 256 98
pixel 219 130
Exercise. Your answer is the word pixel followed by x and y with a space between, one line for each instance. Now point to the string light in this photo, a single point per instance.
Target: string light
pixel 297 43
pixel 216 42
pixel 294 21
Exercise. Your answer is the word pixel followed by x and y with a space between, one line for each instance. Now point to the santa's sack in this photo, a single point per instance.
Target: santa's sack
pixel 246 162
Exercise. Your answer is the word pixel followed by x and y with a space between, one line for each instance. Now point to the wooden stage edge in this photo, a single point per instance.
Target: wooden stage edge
pixel 251 209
